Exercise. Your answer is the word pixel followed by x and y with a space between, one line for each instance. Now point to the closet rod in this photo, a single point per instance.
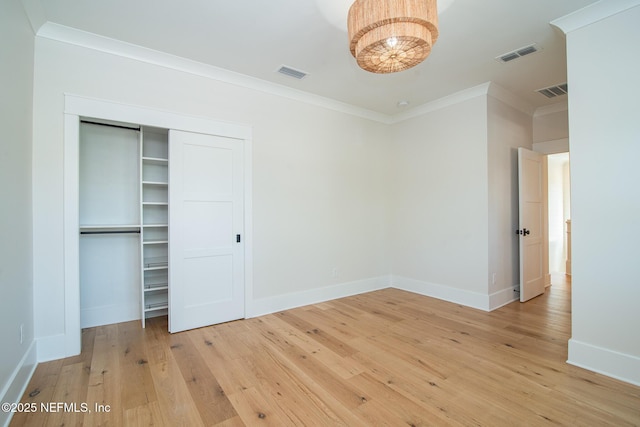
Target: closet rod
pixel 110 125
pixel 111 232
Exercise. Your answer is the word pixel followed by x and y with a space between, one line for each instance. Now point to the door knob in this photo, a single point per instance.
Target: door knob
pixel 523 232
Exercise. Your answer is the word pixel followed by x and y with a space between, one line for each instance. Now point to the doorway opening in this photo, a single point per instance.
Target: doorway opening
pixel 559 217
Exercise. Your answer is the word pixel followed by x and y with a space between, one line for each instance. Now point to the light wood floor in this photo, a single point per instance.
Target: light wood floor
pixel 383 358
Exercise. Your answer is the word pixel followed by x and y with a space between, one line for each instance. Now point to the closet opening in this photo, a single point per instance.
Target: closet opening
pixel 143 238
pixel 123 222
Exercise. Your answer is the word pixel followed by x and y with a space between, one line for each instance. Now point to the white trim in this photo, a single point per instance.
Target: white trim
pixel 502 298
pixel 552 147
pixel 248 222
pixel 18 381
pixel 109 314
pixel 592 13
pixel 446 293
pixel 71 239
pixel 89 40
pixel 498 92
pixel 69 343
pixel 105 109
pixel 551 109
pixel 53 347
pixel 35 13
pixel 447 101
pixel 263 306
pixel 621 366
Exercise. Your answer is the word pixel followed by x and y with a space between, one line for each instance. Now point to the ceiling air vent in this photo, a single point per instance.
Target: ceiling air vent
pixel 292 72
pixel 518 53
pixel 553 91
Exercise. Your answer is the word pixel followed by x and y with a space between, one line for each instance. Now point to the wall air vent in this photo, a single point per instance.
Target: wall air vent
pixel 553 91
pixel 292 72
pixel 518 53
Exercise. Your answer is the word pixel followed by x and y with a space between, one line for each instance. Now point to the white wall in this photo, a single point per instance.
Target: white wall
pixel 605 204
pixel 551 124
pixel 318 177
pixel 16 301
pixel 454 200
pixel 551 128
pixel 439 202
pixel 508 129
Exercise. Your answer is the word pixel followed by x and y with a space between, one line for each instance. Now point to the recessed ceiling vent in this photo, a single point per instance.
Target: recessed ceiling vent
pixel 518 53
pixel 292 72
pixel 553 91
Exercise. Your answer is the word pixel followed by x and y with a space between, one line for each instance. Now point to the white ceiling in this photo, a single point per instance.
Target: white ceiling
pixel 256 37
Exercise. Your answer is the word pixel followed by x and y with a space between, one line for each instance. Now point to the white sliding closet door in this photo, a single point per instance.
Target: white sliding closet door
pixel 206 257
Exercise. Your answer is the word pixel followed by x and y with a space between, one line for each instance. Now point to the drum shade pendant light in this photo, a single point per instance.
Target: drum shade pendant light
pixel 387 36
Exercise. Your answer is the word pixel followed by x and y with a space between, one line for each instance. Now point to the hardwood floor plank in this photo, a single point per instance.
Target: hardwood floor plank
pixel 104 383
pixel 69 394
pixel 210 399
pixel 136 387
pixel 174 400
pixel 254 409
pixel 398 410
pixel 320 374
pixel 327 340
pixel 388 357
pixel 40 390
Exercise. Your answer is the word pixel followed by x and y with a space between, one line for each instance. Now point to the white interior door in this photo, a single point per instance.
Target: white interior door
pixel 531 219
pixel 206 257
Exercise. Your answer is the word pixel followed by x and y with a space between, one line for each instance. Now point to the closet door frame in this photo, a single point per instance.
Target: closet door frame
pixel 76 108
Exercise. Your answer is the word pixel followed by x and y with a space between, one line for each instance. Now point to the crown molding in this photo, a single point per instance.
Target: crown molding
pixel 64 34
pixel 454 98
pixel 92 41
pixel 593 13
pixel 551 109
pixel 35 13
pixel 498 92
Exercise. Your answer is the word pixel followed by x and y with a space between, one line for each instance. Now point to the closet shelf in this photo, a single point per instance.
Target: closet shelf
pixel 156 263
pixel 109 229
pixel 155 225
pixel 155 160
pixel 155 242
pixel 156 306
pixel 108 226
pixel 150 287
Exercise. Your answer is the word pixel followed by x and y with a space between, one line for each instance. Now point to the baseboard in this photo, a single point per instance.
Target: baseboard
pixel 621 366
pixel 52 347
pixel 108 314
pixel 502 298
pixel 446 293
pixel 18 382
pixel 262 306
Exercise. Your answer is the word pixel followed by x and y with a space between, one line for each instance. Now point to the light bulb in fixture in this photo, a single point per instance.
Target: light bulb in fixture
pixel 392 42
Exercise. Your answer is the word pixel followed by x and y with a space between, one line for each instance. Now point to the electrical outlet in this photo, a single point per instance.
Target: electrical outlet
pixel 493 279
pixel 21 333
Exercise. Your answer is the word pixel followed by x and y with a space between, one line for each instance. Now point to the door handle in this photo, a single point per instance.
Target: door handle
pixel 523 232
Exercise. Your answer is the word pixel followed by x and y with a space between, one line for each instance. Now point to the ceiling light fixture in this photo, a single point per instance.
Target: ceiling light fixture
pixel 386 36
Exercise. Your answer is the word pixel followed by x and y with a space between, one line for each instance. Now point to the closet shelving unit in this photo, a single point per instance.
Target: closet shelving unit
pixel 154 220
